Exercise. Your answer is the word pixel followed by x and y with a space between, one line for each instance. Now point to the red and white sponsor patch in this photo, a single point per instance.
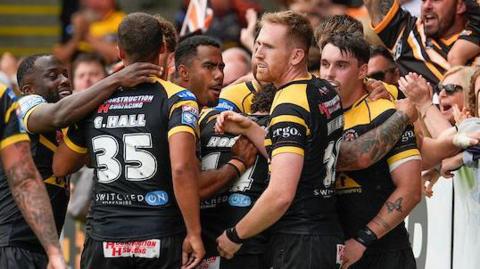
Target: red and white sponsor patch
pixel 210 263
pixel 340 249
pixel 142 249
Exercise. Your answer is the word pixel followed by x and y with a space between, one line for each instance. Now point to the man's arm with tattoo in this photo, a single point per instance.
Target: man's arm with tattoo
pixel 30 194
pixel 378 9
pixel 408 193
pixel 372 146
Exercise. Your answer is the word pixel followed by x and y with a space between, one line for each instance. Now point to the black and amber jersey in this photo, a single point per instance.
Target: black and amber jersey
pixel 227 207
pixel 14 230
pixel 237 98
pixel 127 141
pixel 404 35
pixel 361 194
pixel 307 119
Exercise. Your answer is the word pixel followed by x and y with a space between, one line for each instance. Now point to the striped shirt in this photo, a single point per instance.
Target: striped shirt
pixel 404 35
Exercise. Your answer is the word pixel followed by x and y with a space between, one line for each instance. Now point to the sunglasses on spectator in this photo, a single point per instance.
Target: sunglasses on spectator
pixel 380 75
pixel 449 88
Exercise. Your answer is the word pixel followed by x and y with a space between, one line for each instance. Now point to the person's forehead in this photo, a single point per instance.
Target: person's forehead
pixel 333 53
pixel 208 53
pixel 272 30
pixel 454 78
pixel 46 63
pixel 378 61
pixel 87 66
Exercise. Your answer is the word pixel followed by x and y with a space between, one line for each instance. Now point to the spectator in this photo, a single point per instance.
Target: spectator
pixel 420 44
pixel 237 64
pixel 87 69
pixel 381 66
pixel 94 30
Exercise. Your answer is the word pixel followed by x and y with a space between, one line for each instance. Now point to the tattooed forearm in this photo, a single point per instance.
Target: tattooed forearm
pixel 28 191
pixel 394 206
pixel 370 147
pixel 378 9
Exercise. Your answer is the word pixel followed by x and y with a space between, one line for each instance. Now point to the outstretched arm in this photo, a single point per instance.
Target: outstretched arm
pixel 378 9
pixel 51 116
pixel 30 194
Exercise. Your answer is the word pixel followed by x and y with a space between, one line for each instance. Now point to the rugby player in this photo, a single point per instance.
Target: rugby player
pixel 27 191
pixel 372 202
pixel 200 68
pixel 302 143
pixel 43 79
pixel 142 144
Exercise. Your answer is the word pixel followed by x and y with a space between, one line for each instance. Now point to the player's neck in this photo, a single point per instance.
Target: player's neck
pixel 349 97
pixel 291 74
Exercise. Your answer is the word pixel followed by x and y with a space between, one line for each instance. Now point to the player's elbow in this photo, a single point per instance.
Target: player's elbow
pixel 182 171
pixel 281 200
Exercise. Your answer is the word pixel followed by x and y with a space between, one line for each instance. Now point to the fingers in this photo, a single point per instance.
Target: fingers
pixel 184 258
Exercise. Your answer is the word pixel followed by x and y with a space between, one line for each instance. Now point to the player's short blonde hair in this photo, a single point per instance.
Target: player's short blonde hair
pixel 299 27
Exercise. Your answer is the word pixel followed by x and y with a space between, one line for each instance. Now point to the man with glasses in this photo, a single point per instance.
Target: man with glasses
pixel 381 66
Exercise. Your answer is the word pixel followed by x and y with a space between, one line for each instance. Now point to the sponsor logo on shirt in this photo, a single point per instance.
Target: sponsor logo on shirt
pixel 239 200
pixel 142 249
pixel 189 116
pixel 156 198
pixel 225 105
pixel 286 132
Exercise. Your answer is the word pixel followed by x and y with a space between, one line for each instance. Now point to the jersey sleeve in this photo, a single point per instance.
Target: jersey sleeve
pixel 395 22
pixel 13 130
pixel 183 113
pixel 231 99
pixel 472 28
pixel 405 150
pixel 27 105
pixel 288 129
pixel 74 138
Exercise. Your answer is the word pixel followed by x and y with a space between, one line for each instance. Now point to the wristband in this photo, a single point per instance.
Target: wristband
pixel 232 235
pixel 240 160
pixel 366 236
pixel 237 171
pixel 238 164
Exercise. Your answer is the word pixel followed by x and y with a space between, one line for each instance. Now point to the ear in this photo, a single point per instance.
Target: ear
pixel 183 73
pixel 363 71
pixel 461 7
pixel 298 56
pixel 26 89
pixel 120 53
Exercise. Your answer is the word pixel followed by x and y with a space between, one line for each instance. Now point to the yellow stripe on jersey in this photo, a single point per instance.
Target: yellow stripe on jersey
pixel 388 18
pixel 290 118
pixel 288 149
pixel 3 88
pixel 25 118
pixel 417 53
pixel 13 139
pixel 170 88
pixel 13 107
pixel 203 114
pixel 47 143
pixel 267 142
pixel 240 95
pixel 53 181
pixel 181 129
pixel 73 146
pixel 294 94
pixel 402 155
pixel 364 111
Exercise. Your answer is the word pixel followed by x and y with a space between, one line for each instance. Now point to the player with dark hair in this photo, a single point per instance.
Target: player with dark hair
pixel 142 143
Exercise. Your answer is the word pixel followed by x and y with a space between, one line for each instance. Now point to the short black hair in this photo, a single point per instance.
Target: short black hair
pixel 381 51
pixel 140 36
pixel 169 33
pixel 187 48
pixel 26 67
pixel 336 24
pixel 353 43
pixel 89 58
pixel 262 100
